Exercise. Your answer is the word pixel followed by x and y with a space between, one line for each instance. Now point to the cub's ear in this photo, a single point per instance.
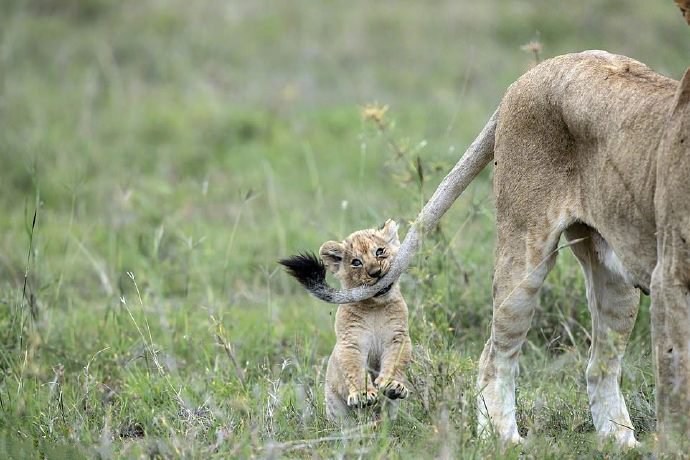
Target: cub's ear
pixel 331 253
pixel 390 232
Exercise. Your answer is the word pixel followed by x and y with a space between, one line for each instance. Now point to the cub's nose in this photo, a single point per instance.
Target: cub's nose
pixel 374 272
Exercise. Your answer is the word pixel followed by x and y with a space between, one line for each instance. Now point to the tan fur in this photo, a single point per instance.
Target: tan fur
pixel 373 347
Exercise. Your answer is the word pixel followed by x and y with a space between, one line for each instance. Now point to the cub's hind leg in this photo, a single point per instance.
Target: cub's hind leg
pixel 613 304
pixel 336 406
pixel 390 408
pixel 522 263
pixel 336 391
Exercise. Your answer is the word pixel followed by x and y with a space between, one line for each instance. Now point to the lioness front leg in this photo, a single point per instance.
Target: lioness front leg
pixel 671 340
pixel 394 360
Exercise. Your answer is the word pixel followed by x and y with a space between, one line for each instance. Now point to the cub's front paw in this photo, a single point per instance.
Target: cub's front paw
pixel 362 398
pixel 392 389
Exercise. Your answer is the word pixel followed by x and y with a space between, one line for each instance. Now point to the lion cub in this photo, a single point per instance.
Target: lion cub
pixel 373 346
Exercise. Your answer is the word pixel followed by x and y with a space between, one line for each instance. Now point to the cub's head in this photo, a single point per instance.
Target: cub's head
pixel 363 257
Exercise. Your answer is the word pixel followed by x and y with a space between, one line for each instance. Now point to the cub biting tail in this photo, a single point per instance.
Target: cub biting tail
pixel 373 347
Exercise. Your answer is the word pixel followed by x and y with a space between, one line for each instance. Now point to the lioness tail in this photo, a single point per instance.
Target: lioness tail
pixel 310 271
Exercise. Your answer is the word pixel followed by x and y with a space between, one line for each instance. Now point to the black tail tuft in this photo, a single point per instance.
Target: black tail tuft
pixel 307 269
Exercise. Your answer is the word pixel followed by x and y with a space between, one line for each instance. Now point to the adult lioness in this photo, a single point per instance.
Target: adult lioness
pixel 575 143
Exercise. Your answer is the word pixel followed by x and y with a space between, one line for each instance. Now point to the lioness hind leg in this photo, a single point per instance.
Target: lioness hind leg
pixel 613 304
pixel 521 266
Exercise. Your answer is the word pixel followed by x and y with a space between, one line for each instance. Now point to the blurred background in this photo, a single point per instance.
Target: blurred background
pixel 157 158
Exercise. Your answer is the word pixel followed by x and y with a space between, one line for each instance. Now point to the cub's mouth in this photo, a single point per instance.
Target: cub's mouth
pixel 383 291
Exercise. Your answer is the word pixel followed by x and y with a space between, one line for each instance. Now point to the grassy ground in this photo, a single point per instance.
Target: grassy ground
pixel 158 157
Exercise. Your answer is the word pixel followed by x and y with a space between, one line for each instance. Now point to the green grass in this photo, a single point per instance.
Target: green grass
pixel 173 151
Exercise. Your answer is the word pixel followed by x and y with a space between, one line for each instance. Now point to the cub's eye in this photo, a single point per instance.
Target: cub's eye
pixel 380 252
pixel 356 263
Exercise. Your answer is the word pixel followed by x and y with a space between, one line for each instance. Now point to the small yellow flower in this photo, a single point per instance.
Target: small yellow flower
pixel 374 112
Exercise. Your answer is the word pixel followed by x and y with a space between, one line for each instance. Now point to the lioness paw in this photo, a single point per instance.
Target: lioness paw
pixel 392 389
pixel 362 398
